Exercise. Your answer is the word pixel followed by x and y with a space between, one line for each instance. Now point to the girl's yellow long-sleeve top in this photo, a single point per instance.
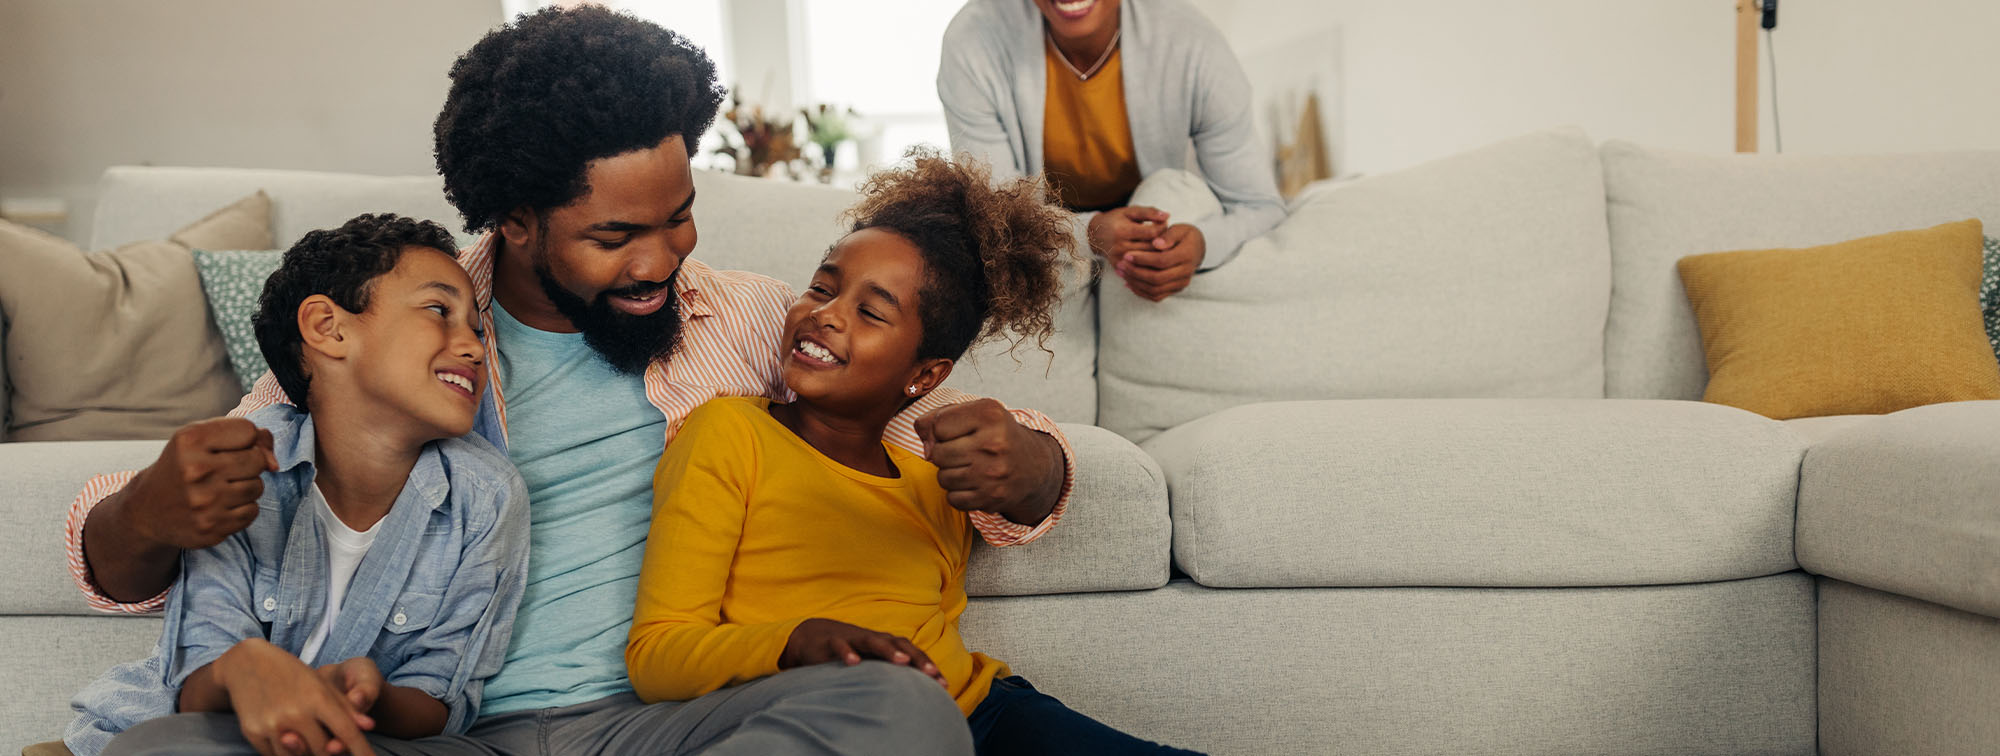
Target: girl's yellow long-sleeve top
pixel 754 531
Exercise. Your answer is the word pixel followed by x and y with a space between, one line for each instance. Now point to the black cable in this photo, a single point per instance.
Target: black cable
pixel 1777 131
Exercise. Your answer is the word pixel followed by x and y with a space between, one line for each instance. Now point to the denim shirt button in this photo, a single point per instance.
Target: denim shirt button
pixel 400 618
pixel 270 604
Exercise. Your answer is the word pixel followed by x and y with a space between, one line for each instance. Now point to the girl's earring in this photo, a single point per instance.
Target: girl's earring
pixel 913 389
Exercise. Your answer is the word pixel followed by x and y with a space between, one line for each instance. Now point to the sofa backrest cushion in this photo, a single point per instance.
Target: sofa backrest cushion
pixel 1483 275
pixel 135 203
pixel 1665 205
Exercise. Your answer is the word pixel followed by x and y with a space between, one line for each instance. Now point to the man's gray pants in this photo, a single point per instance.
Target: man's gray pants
pixel 871 708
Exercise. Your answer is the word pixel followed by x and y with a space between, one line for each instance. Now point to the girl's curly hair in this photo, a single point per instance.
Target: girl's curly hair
pixel 993 254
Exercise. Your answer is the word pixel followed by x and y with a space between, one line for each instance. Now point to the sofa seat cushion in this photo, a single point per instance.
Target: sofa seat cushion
pixel 1813 430
pixel 1909 504
pixel 1480 493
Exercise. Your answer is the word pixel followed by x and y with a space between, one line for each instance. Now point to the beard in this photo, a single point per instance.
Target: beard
pixel 627 342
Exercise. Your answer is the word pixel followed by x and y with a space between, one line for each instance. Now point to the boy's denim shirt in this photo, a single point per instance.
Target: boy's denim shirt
pixel 432 603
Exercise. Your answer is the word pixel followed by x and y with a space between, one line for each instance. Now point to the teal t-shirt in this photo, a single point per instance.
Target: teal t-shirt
pixel 586 441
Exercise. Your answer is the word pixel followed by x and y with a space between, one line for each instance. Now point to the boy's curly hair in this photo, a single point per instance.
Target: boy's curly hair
pixel 532 103
pixel 993 254
pixel 343 264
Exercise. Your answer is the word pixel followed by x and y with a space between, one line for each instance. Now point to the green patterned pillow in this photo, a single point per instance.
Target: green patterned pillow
pixel 233 280
pixel 1989 294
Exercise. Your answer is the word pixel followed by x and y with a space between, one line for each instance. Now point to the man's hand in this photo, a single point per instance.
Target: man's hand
pixel 1126 229
pixel 1168 267
pixel 358 679
pixel 818 641
pixel 987 461
pixel 285 707
pixel 205 484
pixel 203 487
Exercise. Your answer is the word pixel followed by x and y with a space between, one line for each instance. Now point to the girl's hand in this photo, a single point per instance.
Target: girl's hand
pixel 817 641
pixel 286 708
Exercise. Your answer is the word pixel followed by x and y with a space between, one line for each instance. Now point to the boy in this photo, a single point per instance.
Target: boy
pixel 375 590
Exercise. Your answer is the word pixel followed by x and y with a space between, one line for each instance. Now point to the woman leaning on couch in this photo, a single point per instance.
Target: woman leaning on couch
pixel 1099 93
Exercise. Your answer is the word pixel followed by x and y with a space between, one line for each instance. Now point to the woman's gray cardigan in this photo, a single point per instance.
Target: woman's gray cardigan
pixel 1182 83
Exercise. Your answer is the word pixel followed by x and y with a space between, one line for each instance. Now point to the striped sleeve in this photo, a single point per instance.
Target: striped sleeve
pixel 265 393
pixel 93 492
pixel 995 529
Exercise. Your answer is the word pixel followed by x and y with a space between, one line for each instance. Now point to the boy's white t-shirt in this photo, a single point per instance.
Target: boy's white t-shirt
pixel 345 547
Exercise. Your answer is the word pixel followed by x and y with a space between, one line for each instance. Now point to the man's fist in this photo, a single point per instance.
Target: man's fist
pixel 986 461
pixel 205 484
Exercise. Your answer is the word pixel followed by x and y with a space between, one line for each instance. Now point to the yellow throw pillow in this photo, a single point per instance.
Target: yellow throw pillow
pixel 1868 326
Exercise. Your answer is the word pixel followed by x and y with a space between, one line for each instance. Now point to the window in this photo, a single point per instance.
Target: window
pixel 881 59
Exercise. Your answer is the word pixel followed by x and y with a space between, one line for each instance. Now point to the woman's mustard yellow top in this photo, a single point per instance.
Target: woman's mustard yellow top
pixel 1087 147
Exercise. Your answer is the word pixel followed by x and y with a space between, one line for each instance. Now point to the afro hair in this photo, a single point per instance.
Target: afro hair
pixel 532 103
pixel 993 255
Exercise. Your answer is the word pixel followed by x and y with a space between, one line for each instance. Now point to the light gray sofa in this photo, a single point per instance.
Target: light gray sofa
pixel 1428 459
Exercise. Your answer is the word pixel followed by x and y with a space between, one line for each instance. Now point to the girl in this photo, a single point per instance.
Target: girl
pixel 787 535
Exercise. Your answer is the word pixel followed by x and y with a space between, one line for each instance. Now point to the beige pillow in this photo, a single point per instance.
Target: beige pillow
pixel 117 344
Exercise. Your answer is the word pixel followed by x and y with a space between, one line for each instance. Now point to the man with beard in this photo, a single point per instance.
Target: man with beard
pixel 565 140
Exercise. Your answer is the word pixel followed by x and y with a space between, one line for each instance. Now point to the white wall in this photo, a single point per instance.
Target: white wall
pixel 1421 80
pixel 347 85
pixel 353 85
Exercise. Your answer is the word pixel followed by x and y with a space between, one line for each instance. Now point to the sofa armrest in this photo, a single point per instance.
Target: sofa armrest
pixel 1909 504
pixel 1116 535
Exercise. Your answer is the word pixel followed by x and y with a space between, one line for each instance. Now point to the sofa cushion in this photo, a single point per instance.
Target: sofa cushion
pixel 1480 275
pixel 135 203
pixel 1909 504
pixel 49 659
pixel 1876 324
pixel 1902 676
pixel 1116 535
pixel 233 282
pixel 37 483
pixel 1989 295
pixel 1813 430
pixel 1480 493
pixel 1709 668
pixel 1665 205
pixel 116 343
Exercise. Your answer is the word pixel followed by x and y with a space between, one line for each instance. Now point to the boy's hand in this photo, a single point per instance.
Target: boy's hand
pixel 358 679
pixel 817 641
pixel 284 708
